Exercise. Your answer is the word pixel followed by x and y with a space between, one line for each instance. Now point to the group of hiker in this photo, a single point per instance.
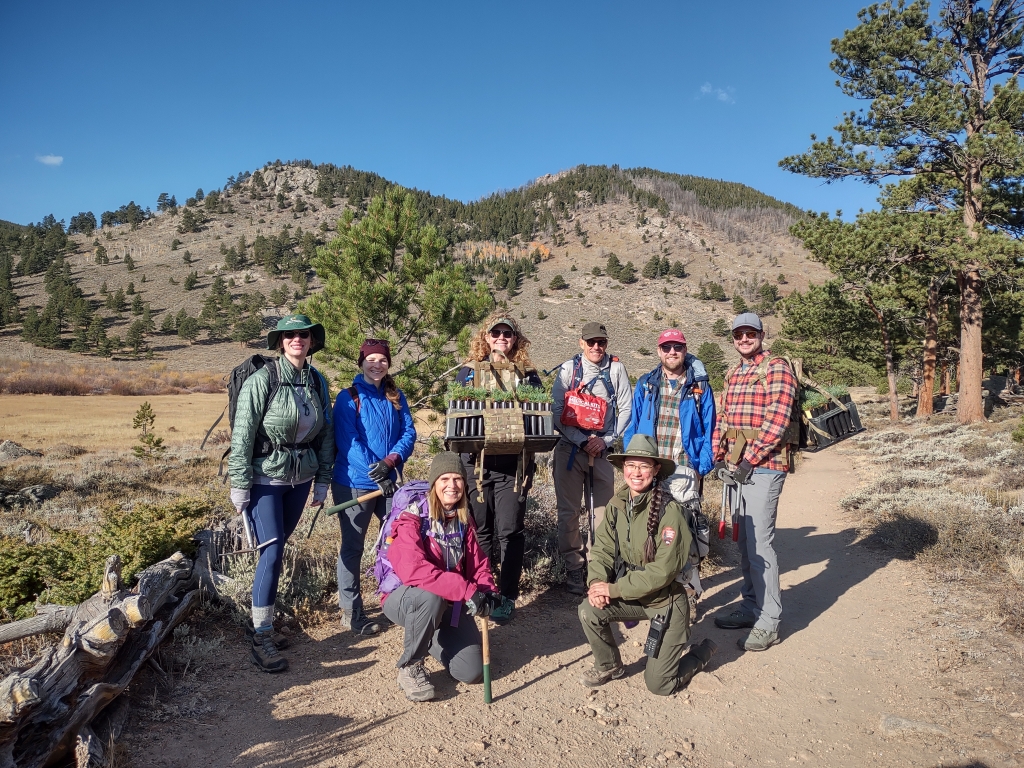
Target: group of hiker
pixel 440 545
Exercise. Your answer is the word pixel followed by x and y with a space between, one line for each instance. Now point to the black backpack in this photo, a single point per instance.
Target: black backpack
pixel 238 376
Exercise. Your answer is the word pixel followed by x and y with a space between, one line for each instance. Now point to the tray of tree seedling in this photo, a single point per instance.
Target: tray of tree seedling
pixel 499 421
pixel 826 422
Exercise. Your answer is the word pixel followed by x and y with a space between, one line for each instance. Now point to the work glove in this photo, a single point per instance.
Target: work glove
pixel 719 465
pixel 494 601
pixel 319 494
pixel 478 605
pixel 742 473
pixel 379 470
pixel 387 487
pixel 240 498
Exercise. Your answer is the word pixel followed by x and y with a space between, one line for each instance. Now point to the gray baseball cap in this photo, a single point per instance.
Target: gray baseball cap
pixel 594 331
pixel 747 320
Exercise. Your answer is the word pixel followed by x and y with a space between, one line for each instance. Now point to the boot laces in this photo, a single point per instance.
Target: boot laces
pixel 267 644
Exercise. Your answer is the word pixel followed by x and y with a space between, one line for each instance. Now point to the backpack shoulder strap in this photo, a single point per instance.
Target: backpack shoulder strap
pixel 274 375
pixel 354 394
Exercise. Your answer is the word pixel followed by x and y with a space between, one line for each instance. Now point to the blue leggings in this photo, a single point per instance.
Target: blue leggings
pixel 275 511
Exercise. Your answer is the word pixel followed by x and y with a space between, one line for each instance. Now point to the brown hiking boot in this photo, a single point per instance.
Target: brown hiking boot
pixel 594 678
pixel 412 679
pixel 281 641
pixel 265 655
pixel 576 581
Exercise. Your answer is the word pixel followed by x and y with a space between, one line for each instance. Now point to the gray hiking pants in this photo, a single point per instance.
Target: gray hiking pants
pixel 570 485
pixel 762 596
pixel 427 620
pixel 354 521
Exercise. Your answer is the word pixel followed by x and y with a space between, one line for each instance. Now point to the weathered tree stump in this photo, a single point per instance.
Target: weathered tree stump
pixel 47 710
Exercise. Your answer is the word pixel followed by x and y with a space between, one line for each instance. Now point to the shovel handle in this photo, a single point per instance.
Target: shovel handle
pixel 352 502
pixel 486 643
pixel 721 529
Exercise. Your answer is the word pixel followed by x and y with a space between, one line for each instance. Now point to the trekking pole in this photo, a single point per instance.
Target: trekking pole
pixel 721 516
pixel 590 496
pixel 736 514
pixel 487 661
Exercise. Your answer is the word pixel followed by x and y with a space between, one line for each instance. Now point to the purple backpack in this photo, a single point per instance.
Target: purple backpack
pixel 414 492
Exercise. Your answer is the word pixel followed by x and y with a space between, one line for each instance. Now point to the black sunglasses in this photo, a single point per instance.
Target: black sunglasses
pixel 502 334
pixel 737 335
pixel 673 347
pixel 596 342
pixel 293 334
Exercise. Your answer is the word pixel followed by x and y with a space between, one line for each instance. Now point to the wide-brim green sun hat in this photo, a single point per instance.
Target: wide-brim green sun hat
pixel 298 323
pixel 644 447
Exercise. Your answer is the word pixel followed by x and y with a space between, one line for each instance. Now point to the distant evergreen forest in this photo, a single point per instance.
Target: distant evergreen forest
pixel 521 214
pixel 513 217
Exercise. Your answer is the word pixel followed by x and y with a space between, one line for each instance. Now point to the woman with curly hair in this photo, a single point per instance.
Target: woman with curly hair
pixel 502 513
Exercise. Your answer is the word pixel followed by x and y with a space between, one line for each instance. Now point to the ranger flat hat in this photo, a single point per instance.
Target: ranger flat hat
pixel 644 447
pixel 298 323
pixel 594 331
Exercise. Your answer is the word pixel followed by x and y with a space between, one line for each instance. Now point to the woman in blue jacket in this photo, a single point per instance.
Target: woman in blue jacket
pixel 375 435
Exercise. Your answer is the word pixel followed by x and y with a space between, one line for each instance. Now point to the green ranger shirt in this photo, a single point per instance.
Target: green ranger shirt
pixel 626 523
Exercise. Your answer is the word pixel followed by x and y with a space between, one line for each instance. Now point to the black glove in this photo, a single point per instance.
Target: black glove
pixel 478 605
pixel 379 471
pixel 723 464
pixel 494 601
pixel 387 487
pixel 742 473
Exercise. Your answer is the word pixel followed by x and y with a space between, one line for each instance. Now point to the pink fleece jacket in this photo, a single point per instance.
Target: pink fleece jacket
pixel 418 562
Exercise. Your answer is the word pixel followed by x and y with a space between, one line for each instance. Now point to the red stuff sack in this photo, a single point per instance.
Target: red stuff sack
pixel 584 411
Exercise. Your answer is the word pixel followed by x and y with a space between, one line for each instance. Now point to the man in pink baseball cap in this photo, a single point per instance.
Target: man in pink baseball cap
pixel 674 404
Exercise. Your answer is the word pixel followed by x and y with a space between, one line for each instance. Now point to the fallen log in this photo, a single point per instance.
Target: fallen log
pixel 48 709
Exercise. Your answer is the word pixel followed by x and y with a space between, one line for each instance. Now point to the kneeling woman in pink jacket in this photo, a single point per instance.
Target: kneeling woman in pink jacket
pixel 446 581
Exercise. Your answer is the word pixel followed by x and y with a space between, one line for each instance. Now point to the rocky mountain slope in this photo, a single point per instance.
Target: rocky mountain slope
pixel 719 232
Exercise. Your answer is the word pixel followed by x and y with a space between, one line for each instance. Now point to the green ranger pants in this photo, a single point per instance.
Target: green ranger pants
pixel 662 672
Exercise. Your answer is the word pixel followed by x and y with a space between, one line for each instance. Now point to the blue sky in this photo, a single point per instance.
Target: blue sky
pixel 109 102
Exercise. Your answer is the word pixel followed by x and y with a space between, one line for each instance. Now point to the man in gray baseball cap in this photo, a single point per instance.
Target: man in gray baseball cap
pixel 757 403
pixel 590 382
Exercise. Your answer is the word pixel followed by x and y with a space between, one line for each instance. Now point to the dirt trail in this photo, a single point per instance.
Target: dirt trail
pixel 864 637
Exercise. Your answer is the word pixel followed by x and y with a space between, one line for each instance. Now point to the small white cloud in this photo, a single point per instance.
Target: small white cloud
pixel 50 159
pixel 724 95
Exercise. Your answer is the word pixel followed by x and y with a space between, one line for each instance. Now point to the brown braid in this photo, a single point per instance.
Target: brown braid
pixel 391 391
pixel 653 518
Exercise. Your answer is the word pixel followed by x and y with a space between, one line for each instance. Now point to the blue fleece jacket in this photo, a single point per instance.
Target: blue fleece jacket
pixel 696 428
pixel 367 437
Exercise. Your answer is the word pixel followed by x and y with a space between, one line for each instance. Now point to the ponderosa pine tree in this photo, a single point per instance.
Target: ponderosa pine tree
pixel 947 121
pixel 385 276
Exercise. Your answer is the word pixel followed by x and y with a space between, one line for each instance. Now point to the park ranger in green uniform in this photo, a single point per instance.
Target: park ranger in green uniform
pixel 641 547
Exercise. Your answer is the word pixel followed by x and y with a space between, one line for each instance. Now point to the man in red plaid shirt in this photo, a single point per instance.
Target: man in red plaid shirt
pixel 750 434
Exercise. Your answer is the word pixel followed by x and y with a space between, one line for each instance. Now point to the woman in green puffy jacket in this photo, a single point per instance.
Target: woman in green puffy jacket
pixel 282 441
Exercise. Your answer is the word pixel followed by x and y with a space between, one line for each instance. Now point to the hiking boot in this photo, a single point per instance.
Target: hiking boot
pixel 503 613
pixel 594 677
pixel 412 679
pixel 735 620
pixel 265 655
pixel 576 581
pixel 758 640
pixel 358 622
pixel 281 641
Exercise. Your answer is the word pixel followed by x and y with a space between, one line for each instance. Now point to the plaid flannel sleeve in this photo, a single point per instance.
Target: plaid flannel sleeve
pixel 780 400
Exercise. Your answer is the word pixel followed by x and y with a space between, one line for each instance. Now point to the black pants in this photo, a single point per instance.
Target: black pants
pixel 500 515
